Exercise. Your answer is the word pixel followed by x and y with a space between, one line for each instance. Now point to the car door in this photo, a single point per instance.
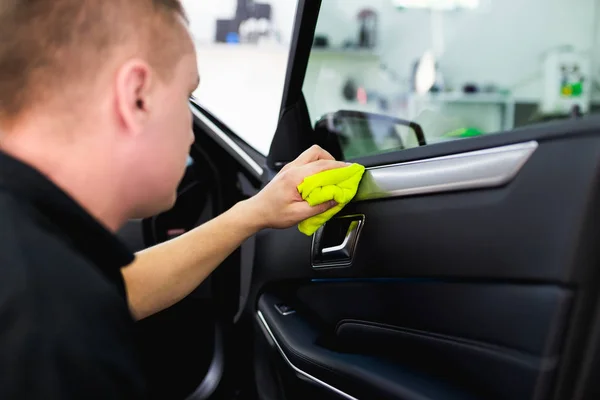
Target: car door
pixel 465 269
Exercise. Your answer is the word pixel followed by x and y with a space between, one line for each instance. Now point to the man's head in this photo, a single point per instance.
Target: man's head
pixel 109 76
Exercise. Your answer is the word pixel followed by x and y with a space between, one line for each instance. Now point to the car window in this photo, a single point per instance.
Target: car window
pixel 453 69
pixel 243 48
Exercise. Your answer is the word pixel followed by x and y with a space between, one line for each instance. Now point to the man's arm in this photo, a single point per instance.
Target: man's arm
pixel 163 275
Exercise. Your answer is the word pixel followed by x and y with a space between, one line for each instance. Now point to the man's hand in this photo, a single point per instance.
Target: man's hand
pixel 279 205
pixel 164 274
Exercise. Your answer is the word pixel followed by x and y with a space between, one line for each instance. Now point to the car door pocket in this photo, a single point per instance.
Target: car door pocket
pixel 351 376
pixel 335 242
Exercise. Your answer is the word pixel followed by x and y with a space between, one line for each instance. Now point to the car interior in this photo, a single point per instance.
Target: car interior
pixel 194 331
pixel 466 269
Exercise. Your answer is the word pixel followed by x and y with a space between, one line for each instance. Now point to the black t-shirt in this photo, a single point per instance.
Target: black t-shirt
pixel 65 327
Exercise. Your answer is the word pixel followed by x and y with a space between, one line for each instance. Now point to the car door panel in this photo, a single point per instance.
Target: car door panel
pixel 411 331
pixel 476 313
pixel 476 292
pixel 480 224
pixel 349 375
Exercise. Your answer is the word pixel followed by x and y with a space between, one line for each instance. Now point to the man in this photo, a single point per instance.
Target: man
pixel 94 130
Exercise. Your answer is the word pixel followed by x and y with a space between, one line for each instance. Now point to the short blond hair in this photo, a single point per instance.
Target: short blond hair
pixel 46 45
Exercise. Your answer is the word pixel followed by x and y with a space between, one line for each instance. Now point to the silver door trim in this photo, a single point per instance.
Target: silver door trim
pixel 350 238
pixel 298 370
pixel 228 141
pixel 473 170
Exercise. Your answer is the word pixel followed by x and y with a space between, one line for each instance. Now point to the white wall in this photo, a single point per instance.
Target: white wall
pixel 500 43
pixel 204 13
pixel 241 84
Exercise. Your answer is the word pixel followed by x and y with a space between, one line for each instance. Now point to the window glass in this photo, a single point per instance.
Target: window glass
pixel 452 69
pixel 243 48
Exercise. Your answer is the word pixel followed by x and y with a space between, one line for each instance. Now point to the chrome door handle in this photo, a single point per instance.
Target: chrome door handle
pixel 340 255
pixel 342 249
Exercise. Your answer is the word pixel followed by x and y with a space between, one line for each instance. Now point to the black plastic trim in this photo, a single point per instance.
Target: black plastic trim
pixel 307 14
pixel 294 132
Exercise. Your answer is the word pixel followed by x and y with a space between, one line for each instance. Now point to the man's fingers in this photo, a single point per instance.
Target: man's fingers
pixel 315 153
pixel 307 211
pixel 321 208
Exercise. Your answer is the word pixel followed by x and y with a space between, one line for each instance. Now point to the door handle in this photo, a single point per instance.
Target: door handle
pixel 340 255
pixel 341 250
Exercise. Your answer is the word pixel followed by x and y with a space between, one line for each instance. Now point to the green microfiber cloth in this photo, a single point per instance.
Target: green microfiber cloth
pixel 339 184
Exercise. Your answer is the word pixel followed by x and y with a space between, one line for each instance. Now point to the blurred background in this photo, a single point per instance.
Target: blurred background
pixel 459 68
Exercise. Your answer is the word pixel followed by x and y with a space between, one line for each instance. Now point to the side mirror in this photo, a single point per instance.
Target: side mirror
pixel 352 134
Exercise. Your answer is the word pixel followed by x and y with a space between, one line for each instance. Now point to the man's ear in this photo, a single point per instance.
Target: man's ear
pixel 132 95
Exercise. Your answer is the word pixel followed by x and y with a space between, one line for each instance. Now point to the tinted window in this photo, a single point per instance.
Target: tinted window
pixel 455 68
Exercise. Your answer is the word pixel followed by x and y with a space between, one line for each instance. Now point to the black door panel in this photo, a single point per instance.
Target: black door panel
pixel 477 314
pixel 461 294
pixel 467 328
pixel 355 375
pixel 540 217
